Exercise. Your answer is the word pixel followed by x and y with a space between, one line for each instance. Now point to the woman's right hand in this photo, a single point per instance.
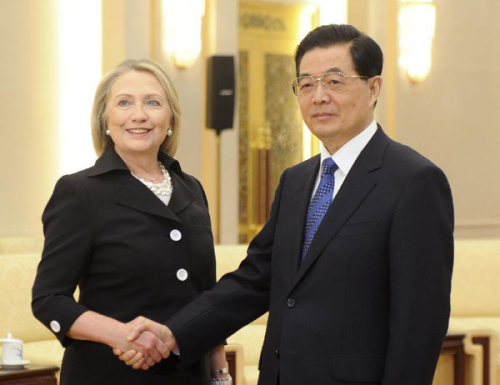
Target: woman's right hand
pixel 148 349
pixel 145 351
pixel 143 329
pixel 91 326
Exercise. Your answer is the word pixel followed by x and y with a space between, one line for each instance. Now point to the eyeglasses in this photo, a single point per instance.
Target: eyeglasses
pixel 333 81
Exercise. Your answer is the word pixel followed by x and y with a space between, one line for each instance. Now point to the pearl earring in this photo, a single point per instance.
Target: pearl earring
pixel 169 132
pixel 108 132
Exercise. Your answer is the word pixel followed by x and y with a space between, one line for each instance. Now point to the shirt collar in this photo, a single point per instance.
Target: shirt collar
pixel 111 161
pixel 349 152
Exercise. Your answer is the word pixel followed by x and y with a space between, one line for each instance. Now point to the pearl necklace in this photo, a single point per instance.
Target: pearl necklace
pixel 164 188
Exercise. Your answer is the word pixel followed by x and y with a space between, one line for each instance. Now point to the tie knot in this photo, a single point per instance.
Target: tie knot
pixel 329 166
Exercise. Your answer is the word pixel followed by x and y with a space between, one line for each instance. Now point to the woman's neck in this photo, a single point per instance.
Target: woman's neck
pixel 144 166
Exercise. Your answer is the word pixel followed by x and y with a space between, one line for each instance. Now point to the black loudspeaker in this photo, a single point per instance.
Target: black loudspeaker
pixel 220 92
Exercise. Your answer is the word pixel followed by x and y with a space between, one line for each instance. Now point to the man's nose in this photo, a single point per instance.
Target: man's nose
pixel 320 93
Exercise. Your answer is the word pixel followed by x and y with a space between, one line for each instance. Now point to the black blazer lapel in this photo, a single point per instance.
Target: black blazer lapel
pixel 138 197
pixel 181 195
pixel 356 187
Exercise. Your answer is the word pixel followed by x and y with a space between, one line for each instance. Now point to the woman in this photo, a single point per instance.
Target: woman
pixel 132 232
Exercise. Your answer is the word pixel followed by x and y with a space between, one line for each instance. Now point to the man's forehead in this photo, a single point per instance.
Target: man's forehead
pixel 334 58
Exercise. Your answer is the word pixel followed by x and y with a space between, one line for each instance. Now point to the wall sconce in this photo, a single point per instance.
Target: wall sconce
pixel 417 24
pixel 181 21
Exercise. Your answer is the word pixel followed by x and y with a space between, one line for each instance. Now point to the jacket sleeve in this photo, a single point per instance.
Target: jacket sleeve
pixel 66 254
pixel 421 262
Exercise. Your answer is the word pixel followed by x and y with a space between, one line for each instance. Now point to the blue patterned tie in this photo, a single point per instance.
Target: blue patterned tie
pixel 320 202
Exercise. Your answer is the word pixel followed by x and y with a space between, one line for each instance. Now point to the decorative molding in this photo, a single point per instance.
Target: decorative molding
pixel 260 21
pixel 283 116
pixel 243 150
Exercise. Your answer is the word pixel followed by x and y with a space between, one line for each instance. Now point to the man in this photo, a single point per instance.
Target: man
pixel 357 290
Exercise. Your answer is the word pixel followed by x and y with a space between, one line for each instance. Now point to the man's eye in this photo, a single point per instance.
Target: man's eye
pixel 332 80
pixel 305 84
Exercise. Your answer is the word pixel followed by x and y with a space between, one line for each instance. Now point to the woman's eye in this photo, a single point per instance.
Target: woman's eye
pixel 123 103
pixel 154 103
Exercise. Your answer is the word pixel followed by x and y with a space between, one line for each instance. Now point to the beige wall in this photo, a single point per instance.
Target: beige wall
pixel 28 106
pixel 450 117
pixel 113 34
pixel 221 38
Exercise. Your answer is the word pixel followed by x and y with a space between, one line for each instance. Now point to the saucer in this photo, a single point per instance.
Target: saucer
pixel 14 364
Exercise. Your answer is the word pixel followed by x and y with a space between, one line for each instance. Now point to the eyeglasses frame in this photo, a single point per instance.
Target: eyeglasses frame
pixel 321 78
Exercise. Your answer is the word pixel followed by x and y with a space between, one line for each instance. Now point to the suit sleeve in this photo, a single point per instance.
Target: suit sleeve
pixel 238 298
pixel 66 253
pixel 421 262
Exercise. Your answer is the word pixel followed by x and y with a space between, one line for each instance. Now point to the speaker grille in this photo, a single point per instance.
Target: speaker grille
pixel 220 92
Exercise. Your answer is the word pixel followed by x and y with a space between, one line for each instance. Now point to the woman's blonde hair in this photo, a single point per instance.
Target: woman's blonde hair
pixel 99 118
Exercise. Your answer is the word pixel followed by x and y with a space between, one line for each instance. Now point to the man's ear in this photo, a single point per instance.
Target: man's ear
pixel 375 85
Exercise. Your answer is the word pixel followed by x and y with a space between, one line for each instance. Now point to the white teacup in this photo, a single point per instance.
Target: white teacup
pixel 12 350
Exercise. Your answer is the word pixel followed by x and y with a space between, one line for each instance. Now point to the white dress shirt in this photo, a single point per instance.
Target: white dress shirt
pixel 345 156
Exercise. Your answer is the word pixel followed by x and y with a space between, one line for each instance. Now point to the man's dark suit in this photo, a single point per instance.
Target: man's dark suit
pixel 370 302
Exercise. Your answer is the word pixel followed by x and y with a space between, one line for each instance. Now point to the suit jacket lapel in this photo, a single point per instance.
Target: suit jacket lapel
pixel 299 199
pixel 137 196
pixel 356 187
pixel 181 196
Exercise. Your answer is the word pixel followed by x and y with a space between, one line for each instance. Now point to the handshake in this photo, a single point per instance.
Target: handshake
pixel 148 342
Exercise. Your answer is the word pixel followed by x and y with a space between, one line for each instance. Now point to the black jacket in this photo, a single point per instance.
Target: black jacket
pixel 109 234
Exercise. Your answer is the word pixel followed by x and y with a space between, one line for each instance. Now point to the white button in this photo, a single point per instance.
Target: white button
pixel 54 325
pixel 182 274
pixel 175 235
